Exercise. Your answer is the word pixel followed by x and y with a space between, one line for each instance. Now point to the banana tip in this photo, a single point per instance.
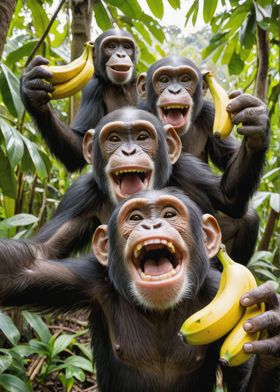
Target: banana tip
pixel 223 362
pixel 217 135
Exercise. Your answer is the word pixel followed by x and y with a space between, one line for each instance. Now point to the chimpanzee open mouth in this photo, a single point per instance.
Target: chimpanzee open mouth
pixel 156 259
pixel 175 109
pixel 121 67
pixel 131 181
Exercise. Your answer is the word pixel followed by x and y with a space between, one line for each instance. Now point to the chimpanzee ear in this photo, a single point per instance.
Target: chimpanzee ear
pixel 212 235
pixel 141 85
pixel 100 244
pixel 204 88
pixel 87 145
pixel 174 143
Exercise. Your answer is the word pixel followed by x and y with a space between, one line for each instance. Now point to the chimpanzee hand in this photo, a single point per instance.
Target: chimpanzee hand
pixel 253 114
pixel 35 87
pixel 268 322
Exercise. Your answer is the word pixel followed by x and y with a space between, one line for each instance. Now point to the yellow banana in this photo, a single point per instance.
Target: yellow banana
pixel 224 311
pixel 232 353
pixel 222 120
pixel 78 82
pixel 62 73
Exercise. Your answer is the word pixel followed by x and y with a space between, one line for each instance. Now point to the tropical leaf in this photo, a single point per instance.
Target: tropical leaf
pixel 101 16
pixel 13 141
pixel 9 329
pixel 10 90
pixel 156 7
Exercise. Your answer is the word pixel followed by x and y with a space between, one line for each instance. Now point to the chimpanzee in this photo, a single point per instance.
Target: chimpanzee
pixel 132 152
pixel 174 90
pixel 112 86
pixel 149 272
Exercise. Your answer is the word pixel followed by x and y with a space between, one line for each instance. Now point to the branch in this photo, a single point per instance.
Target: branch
pixel 263 55
pixel 273 217
pixel 39 43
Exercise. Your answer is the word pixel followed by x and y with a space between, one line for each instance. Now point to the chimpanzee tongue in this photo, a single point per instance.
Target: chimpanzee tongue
pixel 174 117
pixel 131 183
pixel 157 267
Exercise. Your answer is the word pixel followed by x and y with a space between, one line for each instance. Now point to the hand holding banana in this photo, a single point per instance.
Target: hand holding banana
pixel 68 79
pixel 224 312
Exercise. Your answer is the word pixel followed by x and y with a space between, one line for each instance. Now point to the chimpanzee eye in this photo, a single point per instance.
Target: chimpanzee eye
pixel 113 138
pixel 136 216
pixel 127 46
pixel 169 213
pixel 143 136
pixel 185 78
pixel 163 79
pixel 111 45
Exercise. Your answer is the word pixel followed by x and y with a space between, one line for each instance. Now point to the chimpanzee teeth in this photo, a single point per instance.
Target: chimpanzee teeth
pixel 168 244
pixel 174 107
pixel 168 275
pixel 118 172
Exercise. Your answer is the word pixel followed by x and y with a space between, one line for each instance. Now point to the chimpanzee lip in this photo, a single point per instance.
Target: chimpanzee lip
pixel 155 248
pixel 120 68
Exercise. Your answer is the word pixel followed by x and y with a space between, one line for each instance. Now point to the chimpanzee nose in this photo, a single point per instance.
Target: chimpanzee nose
pixel 151 225
pixel 121 54
pixel 129 150
pixel 175 89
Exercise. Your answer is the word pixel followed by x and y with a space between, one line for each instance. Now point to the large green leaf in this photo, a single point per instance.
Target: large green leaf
pixel 9 329
pixel 216 40
pixel 101 15
pixel 8 182
pixel 248 32
pixel 39 17
pixel 5 362
pixel 12 383
pixel 236 65
pixel 13 141
pixel 153 26
pixel 18 220
pixel 229 49
pixel 61 343
pixel 38 325
pixel 156 7
pixel 209 8
pixel 10 90
pixel 22 51
pixel 140 27
pixel 263 15
pixel 193 9
pixel 36 158
pixel 176 4
pixel 275 202
pixel 130 8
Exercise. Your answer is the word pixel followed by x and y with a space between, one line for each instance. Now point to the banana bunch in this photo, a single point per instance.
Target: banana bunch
pixel 223 313
pixel 68 79
pixel 222 120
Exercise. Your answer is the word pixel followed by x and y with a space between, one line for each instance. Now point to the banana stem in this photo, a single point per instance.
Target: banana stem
pixel 224 257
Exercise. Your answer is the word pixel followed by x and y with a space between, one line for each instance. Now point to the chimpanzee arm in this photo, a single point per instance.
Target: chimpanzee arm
pixel 29 280
pixel 74 221
pixel 64 142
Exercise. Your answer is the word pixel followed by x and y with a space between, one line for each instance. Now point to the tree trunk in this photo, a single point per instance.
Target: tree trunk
pixel 263 57
pixel 272 219
pixel 81 29
pixel 6 12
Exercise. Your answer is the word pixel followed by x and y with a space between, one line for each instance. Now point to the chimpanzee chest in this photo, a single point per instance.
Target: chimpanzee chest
pixel 194 142
pixel 153 345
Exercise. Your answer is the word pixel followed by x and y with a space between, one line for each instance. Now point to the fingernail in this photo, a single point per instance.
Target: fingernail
pixel 248 326
pixel 248 347
pixel 228 107
pixel 245 301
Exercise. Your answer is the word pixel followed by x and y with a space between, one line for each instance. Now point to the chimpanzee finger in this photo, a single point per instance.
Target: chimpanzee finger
pixel 37 72
pixel 235 93
pixel 38 60
pixel 243 101
pixel 252 115
pixel 250 130
pixel 38 97
pixel 263 293
pixel 267 347
pixel 269 320
pixel 40 84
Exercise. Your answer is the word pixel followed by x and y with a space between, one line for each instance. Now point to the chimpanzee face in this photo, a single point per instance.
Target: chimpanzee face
pixel 175 87
pixel 155 233
pixel 157 247
pixel 132 152
pixel 129 150
pixel 119 53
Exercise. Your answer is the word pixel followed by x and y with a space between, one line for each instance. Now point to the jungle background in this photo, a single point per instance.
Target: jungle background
pixel 238 40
